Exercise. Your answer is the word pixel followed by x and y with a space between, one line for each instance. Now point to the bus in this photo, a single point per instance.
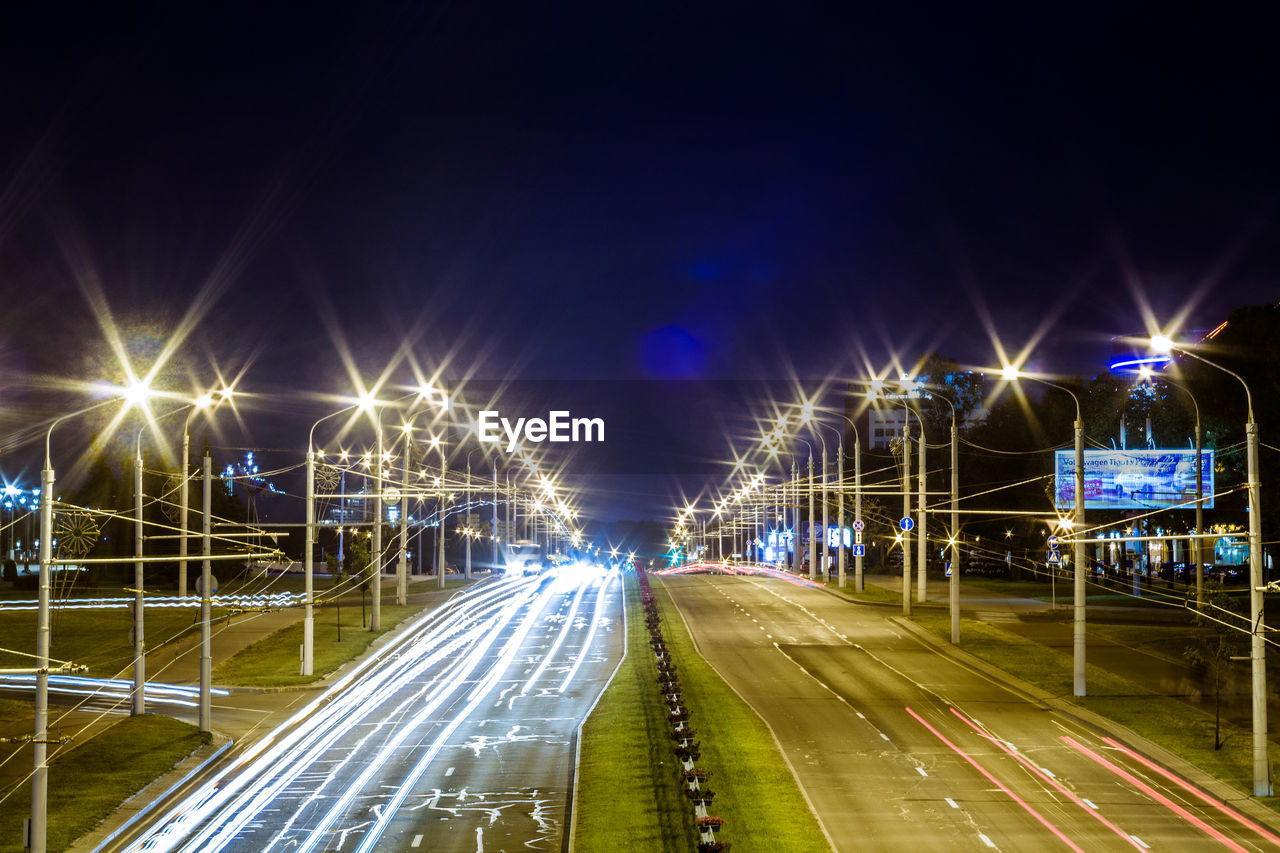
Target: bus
pixel 523 558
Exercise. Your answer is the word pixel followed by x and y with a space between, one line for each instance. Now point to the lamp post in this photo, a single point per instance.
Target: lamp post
pixel 206 596
pixel 906 514
pixel 40 737
pixel 953 582
pixel 309 542
pixel 1012 374
pixel 1257 646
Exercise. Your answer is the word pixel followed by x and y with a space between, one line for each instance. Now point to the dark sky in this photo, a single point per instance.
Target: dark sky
pixel 610 191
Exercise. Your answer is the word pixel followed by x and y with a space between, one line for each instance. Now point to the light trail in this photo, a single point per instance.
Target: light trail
pixel 319 832
pixel 111 688
pixel 991 778
pixel 273 600
pixel 1196 792
pixel 1154 794
pixel 1062 789
pixel 596 618
pixel 559 640
pixel 745 569
pixel 474 698
pixel 371 738
pixel 336 712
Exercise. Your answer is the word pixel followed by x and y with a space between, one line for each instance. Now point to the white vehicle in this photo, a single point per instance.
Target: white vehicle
pixel 523 558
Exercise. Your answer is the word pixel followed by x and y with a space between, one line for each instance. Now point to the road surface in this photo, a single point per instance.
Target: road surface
pixel 899 746
pixel 456 735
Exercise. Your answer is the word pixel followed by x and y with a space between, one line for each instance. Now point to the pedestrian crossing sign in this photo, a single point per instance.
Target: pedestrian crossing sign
pixel 1054 558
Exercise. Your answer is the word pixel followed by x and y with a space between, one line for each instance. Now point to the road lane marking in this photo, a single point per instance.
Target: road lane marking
pixel 1144 844
pixel 883 735
pixel 986 841
pixel 1088 803
pixel 920 770
pixel 991 778
pixel 951 802
pixel 417 841
pixel 1189 788
pixel 1045 775
pixel 1153 794
pixel 449 772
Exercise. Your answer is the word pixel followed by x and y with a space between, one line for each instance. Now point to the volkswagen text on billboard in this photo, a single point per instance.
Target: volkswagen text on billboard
pixel 1133 479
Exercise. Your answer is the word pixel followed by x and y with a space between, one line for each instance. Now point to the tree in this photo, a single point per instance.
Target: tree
pixel 1219 641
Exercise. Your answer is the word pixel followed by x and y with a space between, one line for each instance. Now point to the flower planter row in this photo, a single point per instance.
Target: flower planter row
pixel 686 748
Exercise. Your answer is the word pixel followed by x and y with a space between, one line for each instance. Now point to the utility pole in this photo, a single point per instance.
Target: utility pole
pixel 840 511
pixel 139 647
pixel 922 542
pixel 206 595
pixel 444 469
pixel 857 508
pixel 375 594
pixel 906 514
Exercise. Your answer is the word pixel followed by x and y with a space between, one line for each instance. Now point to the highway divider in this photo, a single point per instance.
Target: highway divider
pixel 686 749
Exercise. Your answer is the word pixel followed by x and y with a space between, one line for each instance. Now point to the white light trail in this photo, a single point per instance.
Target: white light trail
pixel 595 623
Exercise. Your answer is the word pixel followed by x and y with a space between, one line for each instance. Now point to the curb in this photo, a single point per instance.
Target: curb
pixel 1212 786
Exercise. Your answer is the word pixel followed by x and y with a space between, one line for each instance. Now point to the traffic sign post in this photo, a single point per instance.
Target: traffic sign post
pixel 859 550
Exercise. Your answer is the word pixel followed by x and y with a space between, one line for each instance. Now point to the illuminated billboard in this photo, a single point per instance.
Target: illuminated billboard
pixel 1133 479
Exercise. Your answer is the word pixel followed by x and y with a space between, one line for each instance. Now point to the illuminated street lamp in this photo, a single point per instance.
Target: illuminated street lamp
pixel 1162 344
pixel 1011 373
pixel 40 739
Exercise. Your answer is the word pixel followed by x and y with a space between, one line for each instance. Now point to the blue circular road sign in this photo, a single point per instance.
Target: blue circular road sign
pixel 906 523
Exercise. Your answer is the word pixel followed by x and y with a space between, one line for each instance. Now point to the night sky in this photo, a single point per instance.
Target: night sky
pixel 609 191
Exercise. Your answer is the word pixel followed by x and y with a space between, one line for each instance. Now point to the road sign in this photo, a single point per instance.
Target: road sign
pixel 948 568
pixel 906 523
pixel 1055 559
pixel 859 550
pixel 859 526
pixel 857 538
pixel 1053 543
pixel 391 495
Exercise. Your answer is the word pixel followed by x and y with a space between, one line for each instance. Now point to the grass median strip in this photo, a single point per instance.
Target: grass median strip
pixel 90 782
pixel 629 796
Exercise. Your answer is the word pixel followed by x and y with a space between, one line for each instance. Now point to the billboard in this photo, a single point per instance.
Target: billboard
pixel 1133 479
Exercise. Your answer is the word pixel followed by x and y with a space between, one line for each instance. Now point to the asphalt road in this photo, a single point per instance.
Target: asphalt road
pixel 456 735
pixel 898 746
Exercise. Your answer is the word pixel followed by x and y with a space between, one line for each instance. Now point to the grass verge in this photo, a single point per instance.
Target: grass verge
pixel 98 639
pixel 1174 725
pixel 756 793
pixel 629 794
pixel 90 782
pixel 273 661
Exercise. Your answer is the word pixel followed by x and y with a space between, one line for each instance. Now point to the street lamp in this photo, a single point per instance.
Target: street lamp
pixel 309 539
pixel 40 738
pixel 1011 373
pixel 953 583
pixel 1257 646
